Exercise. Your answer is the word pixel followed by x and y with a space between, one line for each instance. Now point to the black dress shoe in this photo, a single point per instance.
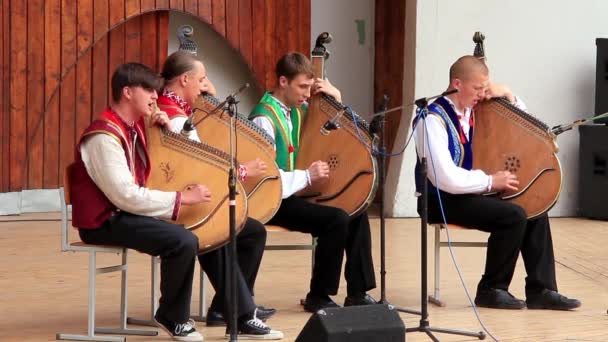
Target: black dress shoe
pixel 498 299
pixel 551 300
pixel 362 299
pixel 314 303
pixel 215 319
pixel 265 313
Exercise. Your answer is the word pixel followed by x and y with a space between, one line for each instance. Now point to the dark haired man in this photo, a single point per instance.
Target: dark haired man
pixel 112 206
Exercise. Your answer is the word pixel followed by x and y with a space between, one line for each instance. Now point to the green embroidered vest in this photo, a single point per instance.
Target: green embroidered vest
pixel 287 145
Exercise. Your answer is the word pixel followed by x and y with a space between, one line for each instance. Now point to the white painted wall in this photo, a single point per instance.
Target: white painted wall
pixel 544 50
pixel 351 64
pixel 225 66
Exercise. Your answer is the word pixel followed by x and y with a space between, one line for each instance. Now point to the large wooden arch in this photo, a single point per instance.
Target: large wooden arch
pixel 43 39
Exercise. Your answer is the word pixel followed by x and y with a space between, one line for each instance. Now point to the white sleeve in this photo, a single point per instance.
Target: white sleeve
pixel 265 124
pixel 519 103
pixel 292 181
pixel 177 123
pixel 106 164
pixel 442 172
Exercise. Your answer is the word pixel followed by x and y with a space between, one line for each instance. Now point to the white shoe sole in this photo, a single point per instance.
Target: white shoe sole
pixel 198 338
pixel 272 335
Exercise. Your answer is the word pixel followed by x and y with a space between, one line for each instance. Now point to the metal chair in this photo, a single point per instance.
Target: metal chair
pixel 435 297
pixel 66 246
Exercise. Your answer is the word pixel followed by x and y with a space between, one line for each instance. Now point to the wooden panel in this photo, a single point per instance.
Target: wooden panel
pixel 3 90
pixel 132 7
pixel 258 35
pixel 304 25
pixel 282 27
pixel 163 38
pixel 67 107
pixel 147 5
pixel 4 141
pixel 84 66
pixel 204 10
pixel 18 79
pixel 232 22
pixel 48 98
pixel 246 31
pixel 162 4
pixel 218 12
pixel 149 40
pixel 100 58
pixel 271 44
pixel 133 38
pixel 177 4
pixel 35 93
pixel 52 67
pixel 292 15
pixel 191 6
pixel 117 40
pixel 389 48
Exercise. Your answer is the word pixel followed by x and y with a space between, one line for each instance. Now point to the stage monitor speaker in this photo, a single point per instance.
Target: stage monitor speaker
pixel 593 168
pixel 367 323
pixel 601 79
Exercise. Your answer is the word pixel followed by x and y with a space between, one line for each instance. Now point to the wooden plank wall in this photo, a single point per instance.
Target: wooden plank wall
pixel 389 61
pixel 57 57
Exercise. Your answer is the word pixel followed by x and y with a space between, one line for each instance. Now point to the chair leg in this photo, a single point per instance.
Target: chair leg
pixel 91 314
pixel 435 297
pixel 154 296
pixel 202 299
pixel 123 330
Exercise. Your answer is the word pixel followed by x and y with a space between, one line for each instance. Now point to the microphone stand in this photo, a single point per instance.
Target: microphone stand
pixel 378 125
pixel 232 109
pixel 424 325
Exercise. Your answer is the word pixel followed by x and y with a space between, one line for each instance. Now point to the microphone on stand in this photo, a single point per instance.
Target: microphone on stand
pixel 188 127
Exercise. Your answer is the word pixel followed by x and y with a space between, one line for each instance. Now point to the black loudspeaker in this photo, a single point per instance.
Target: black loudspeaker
pixel 368 323
pixel 601 79
pixel 593 168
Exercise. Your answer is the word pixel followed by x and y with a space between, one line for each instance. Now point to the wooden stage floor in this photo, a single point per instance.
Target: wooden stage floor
pixel 44 291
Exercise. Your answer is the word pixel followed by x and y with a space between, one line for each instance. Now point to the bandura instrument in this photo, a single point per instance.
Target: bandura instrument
pixel 333 133
pixel 507 138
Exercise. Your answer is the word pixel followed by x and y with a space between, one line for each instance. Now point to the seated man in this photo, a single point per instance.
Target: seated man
pixel 112 206
pixel 185 80
pixel 449 126
pixel 277 113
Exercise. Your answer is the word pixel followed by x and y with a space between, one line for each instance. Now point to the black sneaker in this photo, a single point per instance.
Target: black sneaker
pixel 216 318
pixel 179 331
pixel 254 329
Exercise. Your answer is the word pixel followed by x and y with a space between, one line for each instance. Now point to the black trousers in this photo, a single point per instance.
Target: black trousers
pixel 336 233
pixel 250 248
pixel 510 233
pixel 176 246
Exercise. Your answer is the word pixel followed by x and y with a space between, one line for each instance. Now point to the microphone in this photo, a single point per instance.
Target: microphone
pixel 188 127
pixel 424 101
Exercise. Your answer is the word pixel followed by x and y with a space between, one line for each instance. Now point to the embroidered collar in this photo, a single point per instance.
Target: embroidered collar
pixel 178 100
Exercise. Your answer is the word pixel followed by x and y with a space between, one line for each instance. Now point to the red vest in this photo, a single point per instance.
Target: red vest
pixel 90 206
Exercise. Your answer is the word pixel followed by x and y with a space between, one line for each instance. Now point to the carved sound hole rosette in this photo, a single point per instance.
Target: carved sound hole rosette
pixel 512 164
pixel 333 162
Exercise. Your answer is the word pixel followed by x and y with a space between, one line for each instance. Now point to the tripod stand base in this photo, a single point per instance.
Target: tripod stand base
pixel 429 331
pixel 436 301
